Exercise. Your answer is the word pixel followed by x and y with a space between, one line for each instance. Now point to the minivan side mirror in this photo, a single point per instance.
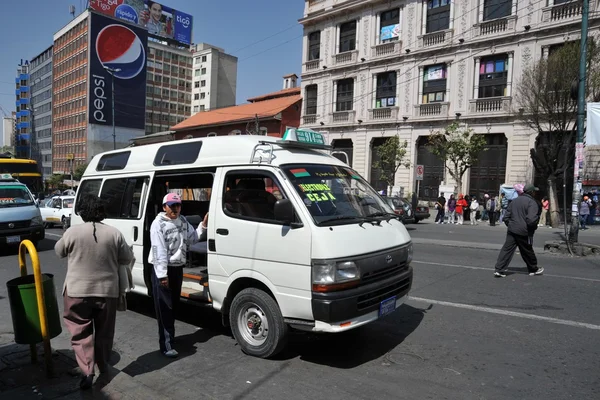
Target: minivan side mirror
pixel 284 212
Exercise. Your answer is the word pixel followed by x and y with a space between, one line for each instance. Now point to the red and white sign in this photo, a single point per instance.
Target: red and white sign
pixel 420 172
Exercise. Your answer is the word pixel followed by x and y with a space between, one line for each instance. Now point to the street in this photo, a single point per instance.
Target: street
pixel 462 335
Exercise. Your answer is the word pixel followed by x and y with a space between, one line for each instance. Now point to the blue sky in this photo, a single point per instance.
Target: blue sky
pixel 234 25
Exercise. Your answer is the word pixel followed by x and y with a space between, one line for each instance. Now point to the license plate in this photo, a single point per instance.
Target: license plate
pixel 387 306
pixel 13 239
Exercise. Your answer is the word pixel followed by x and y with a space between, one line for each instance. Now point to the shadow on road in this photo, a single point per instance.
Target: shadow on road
pixel 44 245
pixel 356 347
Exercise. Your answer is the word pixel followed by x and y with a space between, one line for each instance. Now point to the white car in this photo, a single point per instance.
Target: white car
pixel 57 210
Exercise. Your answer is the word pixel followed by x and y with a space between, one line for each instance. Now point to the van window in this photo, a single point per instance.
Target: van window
pixel 112 162
pixel 251 196
pixel 123 197
pixel 91 186
pixel 175 154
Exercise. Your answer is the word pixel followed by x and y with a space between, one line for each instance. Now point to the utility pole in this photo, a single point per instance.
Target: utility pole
pixel 579 145
pixel 112 72
pixel 257 125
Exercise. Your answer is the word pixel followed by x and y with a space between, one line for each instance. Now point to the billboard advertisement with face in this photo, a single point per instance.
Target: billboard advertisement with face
pixel 160 20
pixel 117 50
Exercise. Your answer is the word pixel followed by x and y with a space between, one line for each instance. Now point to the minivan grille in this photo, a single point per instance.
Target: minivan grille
pixel 17 225
pixel 380 274
pixel 377 296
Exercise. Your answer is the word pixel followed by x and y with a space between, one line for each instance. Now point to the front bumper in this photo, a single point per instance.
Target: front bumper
pixel 34 233
pixel 349 305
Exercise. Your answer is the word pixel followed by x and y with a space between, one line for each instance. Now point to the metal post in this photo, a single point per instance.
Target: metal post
pixel 112 84
pixel 574 232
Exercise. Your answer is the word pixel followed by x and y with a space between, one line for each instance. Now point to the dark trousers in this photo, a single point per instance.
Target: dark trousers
pixel 91 322
pixel 166 301
pixel 525 245
pixel 440 215
pixel 492 215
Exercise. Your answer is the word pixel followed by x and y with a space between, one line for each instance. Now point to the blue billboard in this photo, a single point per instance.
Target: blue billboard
pixel 160 20
pixel 118 51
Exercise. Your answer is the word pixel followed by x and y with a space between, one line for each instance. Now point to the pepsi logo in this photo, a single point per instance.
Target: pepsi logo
pixel 119 48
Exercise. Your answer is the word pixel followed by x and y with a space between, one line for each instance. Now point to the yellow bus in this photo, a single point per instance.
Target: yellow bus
pixel 26 171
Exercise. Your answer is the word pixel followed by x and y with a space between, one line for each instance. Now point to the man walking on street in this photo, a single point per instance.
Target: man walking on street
pixel 522 218
pixel 440 205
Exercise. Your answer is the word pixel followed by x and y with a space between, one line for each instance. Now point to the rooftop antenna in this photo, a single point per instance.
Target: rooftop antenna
pixel 72 11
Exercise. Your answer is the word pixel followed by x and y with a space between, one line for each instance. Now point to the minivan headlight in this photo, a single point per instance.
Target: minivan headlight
pixel 36 221
pixel 329 276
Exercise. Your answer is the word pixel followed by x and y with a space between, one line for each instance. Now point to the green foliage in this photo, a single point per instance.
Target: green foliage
pixel 79 171
pixel 391 158
pixel 459 147
pixel 55 181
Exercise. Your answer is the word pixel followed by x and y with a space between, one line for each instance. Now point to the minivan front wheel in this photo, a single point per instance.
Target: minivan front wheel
pixel 257 323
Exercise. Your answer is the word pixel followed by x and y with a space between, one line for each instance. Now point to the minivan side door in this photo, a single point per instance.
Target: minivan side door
pixel 250 242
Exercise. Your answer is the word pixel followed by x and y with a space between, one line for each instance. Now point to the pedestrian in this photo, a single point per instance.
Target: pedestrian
pixel 521 218
pixel 593 206
pixel 474 207
pixel 584 211
pixel 452 209
pixel 170 236
pixel 545 209
pixel 467 209
pixel 95 253
pixel 503 206
pixel 441 208
pixel 493 207
pixel 484 214
pixel 461 207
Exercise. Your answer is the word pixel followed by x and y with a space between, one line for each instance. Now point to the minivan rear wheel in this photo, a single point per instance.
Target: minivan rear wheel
pixel 257 323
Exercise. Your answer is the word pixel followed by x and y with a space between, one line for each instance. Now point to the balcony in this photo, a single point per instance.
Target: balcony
pixel 341 117
pixel 387 49
pixel 432 110
pixel 433 39
pixel 312 65
pixel 565 12
pixel 383 114
pixel 309 119
pixel 496 27
pixel 491 105
pixel 347 57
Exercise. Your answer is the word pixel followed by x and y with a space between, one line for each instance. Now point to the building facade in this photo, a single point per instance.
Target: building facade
pixel 8 133
pixel 41 110
pixel 168 86
pixel 22 140
pixel 374 69
pixel 215 78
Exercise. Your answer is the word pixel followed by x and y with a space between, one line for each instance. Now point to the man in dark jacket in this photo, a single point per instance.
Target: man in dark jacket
pixel 440 205
pixel 522 218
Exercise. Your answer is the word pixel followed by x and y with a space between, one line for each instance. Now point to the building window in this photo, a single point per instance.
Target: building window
pixel 203 58
pixel 493 74
pixel 235 132
pixel 390 26
pixel 196 84
pixel 311 100
pixel 197 72
pixel 493 9
pixel 202 107
pixel 197 60
pixel 438 15
pixel 263 131
pixel 345 95
pixel 196 108
pixel 212 134
pixel 314 46
pixel 385 95
pixel 196 96
pixel 202 83
pixel 348 36
pixel 202 95
pixel 203 72
pixel 434 83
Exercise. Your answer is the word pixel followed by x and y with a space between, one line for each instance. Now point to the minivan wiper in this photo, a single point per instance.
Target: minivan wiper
pixel 341 218
pixel 371 217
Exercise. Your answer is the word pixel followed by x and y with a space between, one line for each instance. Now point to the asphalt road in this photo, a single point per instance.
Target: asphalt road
pixel 462 335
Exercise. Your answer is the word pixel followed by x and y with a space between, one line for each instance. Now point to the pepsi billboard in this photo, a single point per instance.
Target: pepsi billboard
pixel 119 50
pixel 161 21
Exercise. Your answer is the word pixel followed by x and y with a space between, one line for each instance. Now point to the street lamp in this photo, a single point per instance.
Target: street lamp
pixel 112 72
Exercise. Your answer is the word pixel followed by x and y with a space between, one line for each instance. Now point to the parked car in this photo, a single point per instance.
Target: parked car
pixel 57 210
pixel 401 207
pixel 421 212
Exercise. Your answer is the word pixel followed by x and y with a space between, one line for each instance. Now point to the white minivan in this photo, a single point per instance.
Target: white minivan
pixel 296 238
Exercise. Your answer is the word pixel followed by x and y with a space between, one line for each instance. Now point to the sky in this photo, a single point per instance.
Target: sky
pixel 264 34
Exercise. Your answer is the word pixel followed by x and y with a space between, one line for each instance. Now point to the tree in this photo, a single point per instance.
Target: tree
pixel 55 181
pixel 7 150
pixel 544 97
pixel 459 147
pixel 79 171
pixel 391 157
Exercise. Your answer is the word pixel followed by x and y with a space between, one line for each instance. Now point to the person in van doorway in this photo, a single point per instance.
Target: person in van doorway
pixel 584 211
pixel 461 207
pixel 170 236
pixel 522 219
pixel 503 206
pixel 451 210
pixel 441 209
pixel 474 207
pixel 545 209
pixel 493 207
pixel 91 290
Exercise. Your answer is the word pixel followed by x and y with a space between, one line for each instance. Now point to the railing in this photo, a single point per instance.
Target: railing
pixel 565 11
pixel 490 105
pixel 387 49
pixel 435 38
pixel 343 116
pixel 383 113
pixel 311 65
pixel 346 57
pixel 432 109
pixel 496 26
pixel 309 120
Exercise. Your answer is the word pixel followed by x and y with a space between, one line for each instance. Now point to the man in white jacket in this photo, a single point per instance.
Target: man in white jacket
pixel 171 235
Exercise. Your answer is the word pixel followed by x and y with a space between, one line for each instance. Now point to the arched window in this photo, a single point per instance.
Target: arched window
pixel 263 131
pixel 189 137
pixel 212 134
pixel 235 132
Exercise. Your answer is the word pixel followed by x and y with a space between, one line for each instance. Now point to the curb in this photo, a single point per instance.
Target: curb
pixel 467 245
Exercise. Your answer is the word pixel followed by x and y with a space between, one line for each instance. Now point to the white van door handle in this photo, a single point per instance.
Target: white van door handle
pixel 135 233
pixel 223 232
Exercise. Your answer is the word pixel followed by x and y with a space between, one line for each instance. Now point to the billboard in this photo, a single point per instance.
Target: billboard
pixel 122 50
pixel 160 20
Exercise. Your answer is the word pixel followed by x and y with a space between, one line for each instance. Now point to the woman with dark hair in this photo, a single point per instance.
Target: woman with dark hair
pixel 91 290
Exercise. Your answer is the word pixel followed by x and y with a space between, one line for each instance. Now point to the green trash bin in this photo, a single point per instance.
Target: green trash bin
pixel 24 309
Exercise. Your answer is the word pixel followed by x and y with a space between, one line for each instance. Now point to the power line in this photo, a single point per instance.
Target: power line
pixel 272 48
pixel 266 38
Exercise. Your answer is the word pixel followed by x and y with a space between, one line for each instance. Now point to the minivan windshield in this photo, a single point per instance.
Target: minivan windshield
pixel 336 195
pixel 15 196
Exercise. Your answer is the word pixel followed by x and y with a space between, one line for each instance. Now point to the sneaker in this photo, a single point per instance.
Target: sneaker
pixel 539 271
pixel 499 274
pixel 171 353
